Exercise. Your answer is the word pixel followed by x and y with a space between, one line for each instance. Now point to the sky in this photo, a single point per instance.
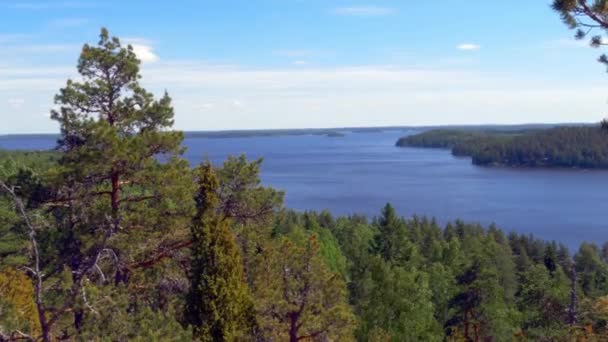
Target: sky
pixel 256 64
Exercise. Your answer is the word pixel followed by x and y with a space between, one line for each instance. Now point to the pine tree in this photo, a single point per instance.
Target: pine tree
pixel 219 305
pixel 297 296
pixel 120 182
pixel 120 195
pixel 586 17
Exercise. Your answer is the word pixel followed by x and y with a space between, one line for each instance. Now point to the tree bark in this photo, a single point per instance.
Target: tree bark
pixel 293 327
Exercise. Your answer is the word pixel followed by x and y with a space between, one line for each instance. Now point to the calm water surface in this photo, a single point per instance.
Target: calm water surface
pixel 361 172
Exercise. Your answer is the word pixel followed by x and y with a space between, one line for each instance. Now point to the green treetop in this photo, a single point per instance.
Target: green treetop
pixel 219 305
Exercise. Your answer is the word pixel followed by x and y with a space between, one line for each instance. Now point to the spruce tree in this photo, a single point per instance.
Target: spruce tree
pixel 392 242
pixel 219 305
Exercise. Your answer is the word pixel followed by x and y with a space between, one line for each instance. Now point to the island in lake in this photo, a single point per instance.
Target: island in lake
pixel 563 147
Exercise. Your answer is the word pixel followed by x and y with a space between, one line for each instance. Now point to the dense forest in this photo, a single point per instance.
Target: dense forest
pixel 244 268
pixel 116 237
pixel 566 147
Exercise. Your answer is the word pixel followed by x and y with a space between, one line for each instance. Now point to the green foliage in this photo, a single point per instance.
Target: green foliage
pixel 141 325
pixel 398 302
pixel 392 242
pixel 17 308
pixel 587 18
pixel 219 305
pixel 109 201
pixel 592 271
pixel 543 300
pixel 35 160
pixel 297 296
pixel 241 196
pixel 583 147
pixel 441 138
pixel 25 172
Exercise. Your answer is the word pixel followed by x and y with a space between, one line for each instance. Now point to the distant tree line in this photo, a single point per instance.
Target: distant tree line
pixel 567 147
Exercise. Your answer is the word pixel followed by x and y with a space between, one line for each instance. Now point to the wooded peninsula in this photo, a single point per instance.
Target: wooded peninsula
pixel 561 147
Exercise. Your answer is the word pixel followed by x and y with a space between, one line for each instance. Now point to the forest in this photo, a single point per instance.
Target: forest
pixel 114 236
pixel 563 147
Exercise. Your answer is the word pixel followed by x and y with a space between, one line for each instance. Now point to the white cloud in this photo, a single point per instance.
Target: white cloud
pixel 143 48
pixel 364 11
pixel 16 103
pixel 365 95
pixel 300 62
pixel 247 98
pixel 468 47
pixel 145 53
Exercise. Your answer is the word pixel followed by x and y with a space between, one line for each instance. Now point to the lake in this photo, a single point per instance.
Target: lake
pixel 361 172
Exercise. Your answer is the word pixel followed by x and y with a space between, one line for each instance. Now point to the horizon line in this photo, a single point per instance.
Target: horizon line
pixel 354 127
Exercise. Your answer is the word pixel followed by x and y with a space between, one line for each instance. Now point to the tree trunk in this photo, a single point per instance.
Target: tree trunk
pixel 466 325
pixel 44 327
pixel 293 328
pixel 114 176
pixel 476 331
pixel 573 297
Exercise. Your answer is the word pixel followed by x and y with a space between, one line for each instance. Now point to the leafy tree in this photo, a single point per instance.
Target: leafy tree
pixel 298 297
pixel 18 311
pixel 219 306
pixel 399 303
pixel 480 309
pixel 592 273
pixel 141 325
pixel 543 300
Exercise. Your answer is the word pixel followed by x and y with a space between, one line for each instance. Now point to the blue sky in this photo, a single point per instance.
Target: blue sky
pixel 312 63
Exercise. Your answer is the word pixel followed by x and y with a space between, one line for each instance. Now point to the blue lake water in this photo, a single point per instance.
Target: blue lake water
pixel 361 172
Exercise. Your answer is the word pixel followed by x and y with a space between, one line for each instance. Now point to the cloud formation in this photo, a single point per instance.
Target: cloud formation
pixel 16 103
pixel 210 96
pixel 468 47
pixel 145 53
